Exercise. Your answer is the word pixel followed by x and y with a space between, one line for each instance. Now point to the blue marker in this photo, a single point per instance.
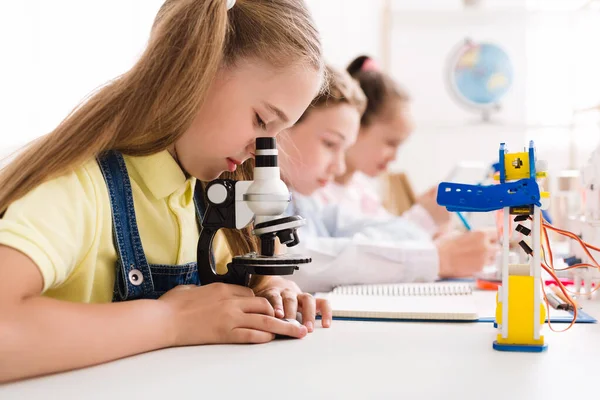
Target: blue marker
pixel 463 220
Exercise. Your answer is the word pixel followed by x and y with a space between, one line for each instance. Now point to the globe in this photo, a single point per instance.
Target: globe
pixel 479 75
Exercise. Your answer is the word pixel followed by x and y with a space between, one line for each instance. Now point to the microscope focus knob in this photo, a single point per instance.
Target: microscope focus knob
pixel 288 237
pixel 219 192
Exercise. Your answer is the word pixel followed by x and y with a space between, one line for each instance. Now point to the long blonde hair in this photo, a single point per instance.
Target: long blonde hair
pixel 339 88
pixel 149 107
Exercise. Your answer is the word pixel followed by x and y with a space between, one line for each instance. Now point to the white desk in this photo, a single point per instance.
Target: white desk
pixel 358 360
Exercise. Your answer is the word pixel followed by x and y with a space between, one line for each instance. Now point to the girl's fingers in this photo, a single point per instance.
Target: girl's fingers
pixel 308 305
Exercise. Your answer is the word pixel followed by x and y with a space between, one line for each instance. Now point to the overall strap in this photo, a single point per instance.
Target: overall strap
pixel 199 203
pixel 133 278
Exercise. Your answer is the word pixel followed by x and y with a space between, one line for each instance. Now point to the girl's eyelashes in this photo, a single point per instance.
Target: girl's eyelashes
pixel 329 144
pixel 260 123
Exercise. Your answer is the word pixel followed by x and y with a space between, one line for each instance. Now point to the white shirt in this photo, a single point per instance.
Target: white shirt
pixel 349 247
pixel 361 195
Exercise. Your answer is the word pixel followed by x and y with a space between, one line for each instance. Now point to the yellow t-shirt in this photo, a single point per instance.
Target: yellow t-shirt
pixel 65 226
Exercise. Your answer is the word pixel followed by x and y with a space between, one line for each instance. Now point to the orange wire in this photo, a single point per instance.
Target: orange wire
pixel 567 296
pixel 574 266
pixel 547 240
pixel 571 235
pixel 567 233
pixel 551 270
pixel 548 307
pixel 579 293
pixel 585 247
pixel 578 239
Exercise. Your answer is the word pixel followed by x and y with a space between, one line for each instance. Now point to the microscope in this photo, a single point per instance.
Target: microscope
pixel 236 204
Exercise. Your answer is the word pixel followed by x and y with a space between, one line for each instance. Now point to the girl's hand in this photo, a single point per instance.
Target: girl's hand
pixel 439 214
pixel 465 254
pixel 220 313
pixel 287 299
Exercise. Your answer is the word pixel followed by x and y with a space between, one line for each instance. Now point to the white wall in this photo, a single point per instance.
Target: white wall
pixel 555 63
pixel 349 28
pixel 55 53
pixel 552 51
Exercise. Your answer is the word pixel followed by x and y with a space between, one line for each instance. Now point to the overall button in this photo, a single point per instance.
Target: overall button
pixel 135 277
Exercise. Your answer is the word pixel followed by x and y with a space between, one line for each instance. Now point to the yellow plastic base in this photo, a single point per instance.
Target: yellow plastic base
pixel 520 313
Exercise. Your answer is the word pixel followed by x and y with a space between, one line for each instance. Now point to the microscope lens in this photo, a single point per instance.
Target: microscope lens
pixel 266 152
pixel 266 143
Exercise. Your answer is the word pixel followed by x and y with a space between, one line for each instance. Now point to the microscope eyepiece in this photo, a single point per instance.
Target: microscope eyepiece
pixel 266 152
pixel 266 143
pixel 266 161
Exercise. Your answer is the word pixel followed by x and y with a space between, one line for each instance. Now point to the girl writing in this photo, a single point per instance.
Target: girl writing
pixel 347 245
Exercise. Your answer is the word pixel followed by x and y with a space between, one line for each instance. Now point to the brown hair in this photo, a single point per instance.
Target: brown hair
pixel 379 88
pixel 339 88
pixel 149 107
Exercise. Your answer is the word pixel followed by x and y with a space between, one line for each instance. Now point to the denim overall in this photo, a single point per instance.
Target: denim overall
pixel 135 278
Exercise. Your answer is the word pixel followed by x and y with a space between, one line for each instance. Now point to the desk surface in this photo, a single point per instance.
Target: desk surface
pixel 363 360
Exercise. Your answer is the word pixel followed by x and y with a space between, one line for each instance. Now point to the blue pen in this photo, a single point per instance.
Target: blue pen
pixel 464 221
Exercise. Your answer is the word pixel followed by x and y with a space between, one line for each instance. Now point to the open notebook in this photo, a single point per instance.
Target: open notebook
pixel 439 301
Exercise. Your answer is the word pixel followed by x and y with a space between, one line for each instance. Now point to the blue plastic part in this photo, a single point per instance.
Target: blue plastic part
pixel 547 216
pixel 503 150
pixel 520 347
pixel 531 160
pixel 570 261
pixel 478 198
pixel 496 167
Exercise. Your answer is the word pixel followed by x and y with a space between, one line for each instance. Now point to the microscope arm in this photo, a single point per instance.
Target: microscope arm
pixel 220 213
